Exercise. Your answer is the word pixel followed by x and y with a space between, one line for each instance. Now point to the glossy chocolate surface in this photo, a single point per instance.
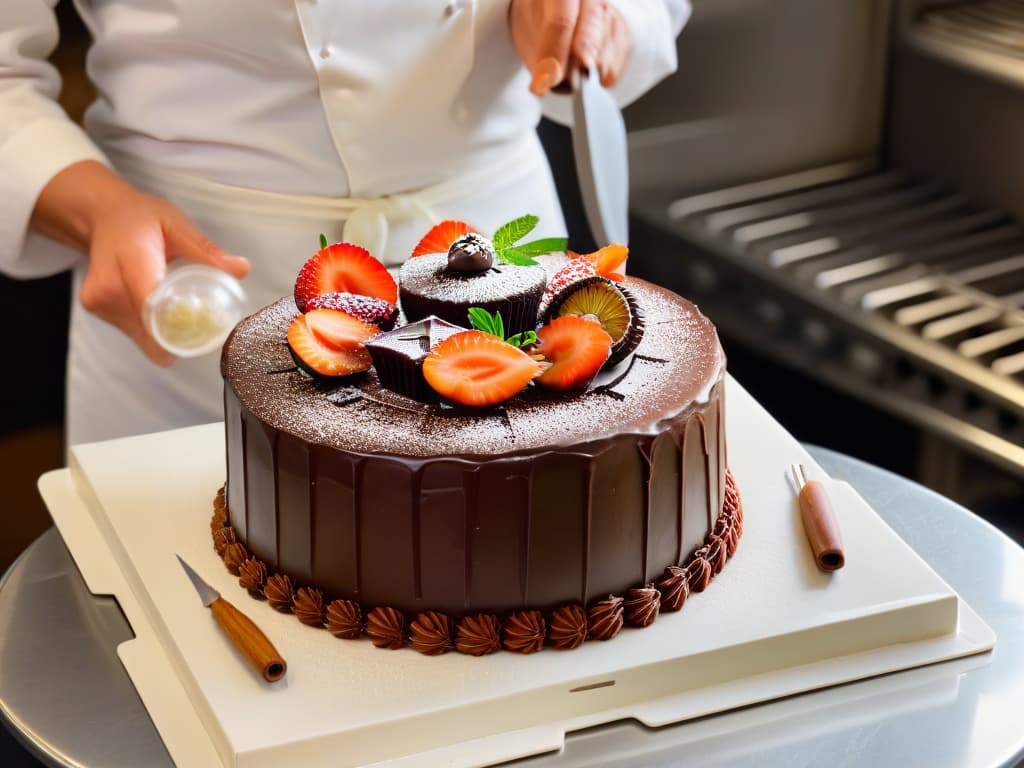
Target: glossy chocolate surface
pixel 545 500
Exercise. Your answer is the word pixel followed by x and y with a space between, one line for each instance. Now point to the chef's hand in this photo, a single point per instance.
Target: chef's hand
pixel 129 238
pixel 547 33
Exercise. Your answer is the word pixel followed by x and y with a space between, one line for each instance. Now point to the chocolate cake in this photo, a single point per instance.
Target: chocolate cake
pixel 549 516
pixel 427 286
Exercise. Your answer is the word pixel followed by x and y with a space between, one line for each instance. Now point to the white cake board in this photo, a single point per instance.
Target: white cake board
pixel 769 625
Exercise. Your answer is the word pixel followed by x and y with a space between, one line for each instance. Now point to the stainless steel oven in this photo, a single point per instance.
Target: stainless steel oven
pixel 840 185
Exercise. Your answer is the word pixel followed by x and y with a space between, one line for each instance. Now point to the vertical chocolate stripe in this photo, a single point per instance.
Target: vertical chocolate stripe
pixel 358 468
pixel 261 493
pixel 645 446
pixel 415 507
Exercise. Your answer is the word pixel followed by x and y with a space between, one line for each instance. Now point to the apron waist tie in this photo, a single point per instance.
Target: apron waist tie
pixel 366 220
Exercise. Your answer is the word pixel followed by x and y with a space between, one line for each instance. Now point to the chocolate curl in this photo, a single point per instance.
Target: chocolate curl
pixel 698 572
pixel 278 591
pixel 642 605
pixel 252 576
pixel 234 555
pixel 478 634
pixel 674 587
pixel 344 619
pixel 604 619
pixel 430 633
pixel 567 628
pixel 222 538
pixel 386 628
pixel 308 606
pixel 524 632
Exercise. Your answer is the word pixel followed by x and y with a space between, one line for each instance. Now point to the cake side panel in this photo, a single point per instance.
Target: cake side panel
pixel 498 499
pixel 234 440
pixel 444 539
pixel 558 529
pixel 665 520
pixel 294 531
pixel 260 447
pixel 334 526
pixel 619 488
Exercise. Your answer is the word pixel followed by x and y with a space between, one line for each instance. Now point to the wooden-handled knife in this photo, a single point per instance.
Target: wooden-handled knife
pixel 240 629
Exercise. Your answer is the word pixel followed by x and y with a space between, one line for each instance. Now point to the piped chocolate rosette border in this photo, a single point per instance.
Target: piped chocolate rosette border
pixel 478 634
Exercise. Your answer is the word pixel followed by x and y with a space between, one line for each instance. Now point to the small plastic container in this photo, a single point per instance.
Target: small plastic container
pixel 193 309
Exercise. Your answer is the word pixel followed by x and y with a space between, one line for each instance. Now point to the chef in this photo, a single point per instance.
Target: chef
pixel 231 133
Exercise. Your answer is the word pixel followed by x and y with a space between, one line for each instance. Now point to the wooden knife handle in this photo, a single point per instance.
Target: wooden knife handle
pixel 249 639
pixel 821 526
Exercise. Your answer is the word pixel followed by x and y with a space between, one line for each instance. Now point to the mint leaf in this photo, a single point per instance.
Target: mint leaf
pixel 524 339
pixel 515 257
pixel 323 240
pixel 515 230
pixel 544 245
pixel 484 321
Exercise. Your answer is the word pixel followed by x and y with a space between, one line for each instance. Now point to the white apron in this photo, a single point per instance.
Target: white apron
pixel 114 391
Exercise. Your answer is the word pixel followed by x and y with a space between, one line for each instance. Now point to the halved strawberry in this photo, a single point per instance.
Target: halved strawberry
pixel 365 308
pixel 610 261
pixel 476 368
pixel 577 269
pixel 344 267
pixel 328 342
pixel 576 348
pixel 441 236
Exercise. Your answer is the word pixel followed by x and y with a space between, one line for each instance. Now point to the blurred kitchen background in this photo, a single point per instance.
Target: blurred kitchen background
pixel 839 184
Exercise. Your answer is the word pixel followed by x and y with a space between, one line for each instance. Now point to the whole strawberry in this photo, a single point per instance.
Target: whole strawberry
pixel 369 309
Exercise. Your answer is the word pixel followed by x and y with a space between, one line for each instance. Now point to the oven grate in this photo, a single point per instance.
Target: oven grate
pixel 997 25
pixel 909 294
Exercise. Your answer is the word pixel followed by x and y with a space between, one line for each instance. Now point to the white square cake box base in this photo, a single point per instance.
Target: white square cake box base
pixel 769 625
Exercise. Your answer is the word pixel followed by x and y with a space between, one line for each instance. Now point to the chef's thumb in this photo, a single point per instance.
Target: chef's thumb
pixel 184 241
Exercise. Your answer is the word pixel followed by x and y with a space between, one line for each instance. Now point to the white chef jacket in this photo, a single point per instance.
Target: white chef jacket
pixel 268 123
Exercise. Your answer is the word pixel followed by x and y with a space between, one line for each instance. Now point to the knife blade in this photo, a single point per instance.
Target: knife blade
pixel 602 162
pixel 240 629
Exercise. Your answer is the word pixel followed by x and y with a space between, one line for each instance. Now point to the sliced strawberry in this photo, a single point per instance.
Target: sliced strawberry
pixel 577 269
pixel 441 236
pixel 365 308
pixel 347 268
pixel 576 348
pixel 476 368
pixel 328 342
pixel 610 261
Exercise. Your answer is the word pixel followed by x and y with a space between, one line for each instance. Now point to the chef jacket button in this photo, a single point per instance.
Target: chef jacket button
pixel 325 52
pixel 451 8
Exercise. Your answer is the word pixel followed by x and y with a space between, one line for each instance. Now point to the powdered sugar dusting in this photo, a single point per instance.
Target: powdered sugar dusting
pixel 676 364
pixel 428 276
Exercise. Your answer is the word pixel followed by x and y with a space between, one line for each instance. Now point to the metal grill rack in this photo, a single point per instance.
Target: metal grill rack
pixel 997 25
pixel 891 288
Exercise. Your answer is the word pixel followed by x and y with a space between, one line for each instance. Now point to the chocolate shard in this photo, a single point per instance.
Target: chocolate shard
pixel 674 587
pixel 430 633
pixel 234 555
pixel 524 632
pixel 567 627
pixel 308 606
pixel 278 591
pixel 344 619
pixel 478 634
pixel 386 627
pixel 398 356
pixel 604 618
pixel 252 576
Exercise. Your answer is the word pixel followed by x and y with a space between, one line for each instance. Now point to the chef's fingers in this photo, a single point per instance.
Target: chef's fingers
pixel 589 38
pixel 554 41
pixel 106 293
pixel 617 48
pixel 186 242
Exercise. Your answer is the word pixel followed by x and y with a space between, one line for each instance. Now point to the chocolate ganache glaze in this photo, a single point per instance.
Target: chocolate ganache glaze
pixel 545 500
